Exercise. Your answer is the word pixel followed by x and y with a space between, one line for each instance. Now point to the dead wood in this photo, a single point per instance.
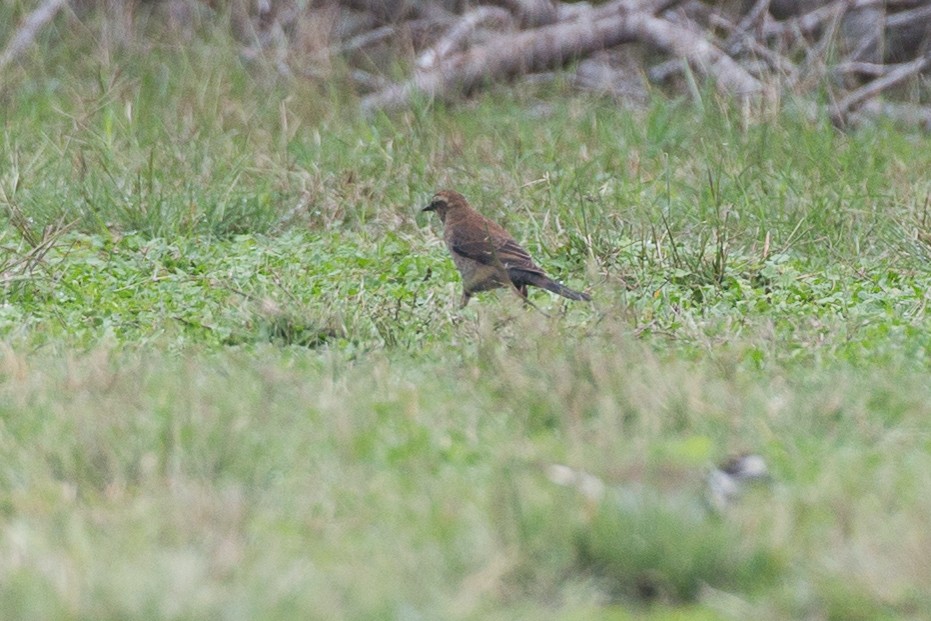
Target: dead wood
pixel 457 35
pixel 553 46
pixel 807 24
pixel 28 30
pixel 907 18
pixel 874 88
pixel 908 115
pixel 685 42
pixel 532 13
pixel 506 56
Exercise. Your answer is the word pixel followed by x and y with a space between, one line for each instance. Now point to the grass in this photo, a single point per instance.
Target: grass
pixel 234 382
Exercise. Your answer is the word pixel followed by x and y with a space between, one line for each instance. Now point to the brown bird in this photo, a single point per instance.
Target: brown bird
pixel 485 254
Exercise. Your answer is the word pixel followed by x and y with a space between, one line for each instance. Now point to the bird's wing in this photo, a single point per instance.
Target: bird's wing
pixel 496 251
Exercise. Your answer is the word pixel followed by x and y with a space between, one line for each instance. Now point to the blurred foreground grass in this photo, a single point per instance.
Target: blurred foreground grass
pixel 271 483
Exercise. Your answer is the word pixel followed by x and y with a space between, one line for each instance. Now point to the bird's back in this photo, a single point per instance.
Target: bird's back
pixel 466 223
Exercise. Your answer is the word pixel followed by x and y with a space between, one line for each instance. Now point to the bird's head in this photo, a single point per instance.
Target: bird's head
pixel 444 200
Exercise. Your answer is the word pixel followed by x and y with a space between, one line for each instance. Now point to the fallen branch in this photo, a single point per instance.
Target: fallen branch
pixel 907 114
pixel 741 43
pixel 27 32
pixel 861 68
pixel 597 74
pixel 805 24
pixel 370 37
pixel 553 46
pixel 455 36
pixel 751 20
pixel 908 18
pixel 729 76
pixel 523 52
pixel 871 89
pixel 532 13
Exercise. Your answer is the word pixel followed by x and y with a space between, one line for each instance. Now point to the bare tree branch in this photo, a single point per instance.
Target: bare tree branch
pixel 862 68
pixel 807 23
pixel 532 50
pixel 749 21
pixel 532 13
pixel 456 35
pixel 553 46
pixel 29 29
pixel 693 46
pixel 870 90
pixel 906 18
pixel 907 114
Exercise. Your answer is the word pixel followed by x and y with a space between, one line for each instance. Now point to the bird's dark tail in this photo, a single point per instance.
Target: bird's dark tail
pixel 551 285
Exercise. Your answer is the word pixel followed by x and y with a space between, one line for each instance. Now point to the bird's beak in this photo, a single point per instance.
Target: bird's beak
pixel 430 207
